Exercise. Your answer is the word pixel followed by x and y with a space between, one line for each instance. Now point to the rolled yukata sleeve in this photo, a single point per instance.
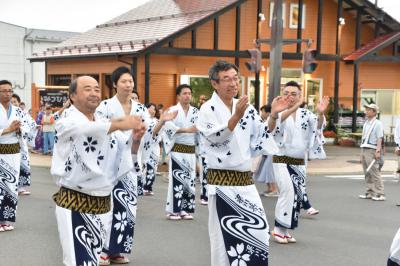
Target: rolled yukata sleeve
pixel 25 128
pixel 316 138
pixel 124 143
pixel 81 141
pixel 148 140
pixel 261 140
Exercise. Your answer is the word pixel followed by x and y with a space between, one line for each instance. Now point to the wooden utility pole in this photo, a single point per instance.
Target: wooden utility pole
pixel 275 52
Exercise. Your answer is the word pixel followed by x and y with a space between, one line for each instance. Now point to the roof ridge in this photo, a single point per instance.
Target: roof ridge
pixel 371 44
pixel 155 18
pixel 102 45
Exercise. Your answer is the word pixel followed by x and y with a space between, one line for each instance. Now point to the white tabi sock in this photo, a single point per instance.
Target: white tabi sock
pixel 280 231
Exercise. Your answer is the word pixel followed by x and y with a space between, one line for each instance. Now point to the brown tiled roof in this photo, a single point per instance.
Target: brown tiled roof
pixel 372 46
pixel 136 29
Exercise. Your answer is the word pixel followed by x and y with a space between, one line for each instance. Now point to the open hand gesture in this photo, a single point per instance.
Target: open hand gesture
pixel 168 116
pixel 241 106
pixel 138 133
pixel 279 104
pixel 14 126
pixel 322 105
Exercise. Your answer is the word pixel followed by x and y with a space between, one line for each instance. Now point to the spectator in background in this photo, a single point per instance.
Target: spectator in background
pixel 135 96
pixel 265 172
pixel 39 136
pixel 160 108
pixel 150 169
pixel 22 106
pixel 48 131
pixel 371 154
pixel 25 169
pixel 202 99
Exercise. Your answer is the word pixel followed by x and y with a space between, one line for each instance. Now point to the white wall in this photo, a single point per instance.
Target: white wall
pixel 13 64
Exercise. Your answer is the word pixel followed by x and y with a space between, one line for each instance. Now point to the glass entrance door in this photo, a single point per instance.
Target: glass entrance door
pixel 313 93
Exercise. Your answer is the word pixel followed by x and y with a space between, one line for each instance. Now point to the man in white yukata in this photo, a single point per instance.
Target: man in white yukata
pixel 232 133
pixel 179 136
pixel 90 156
pixel 298 133
pixel 121 231
pixel 13 129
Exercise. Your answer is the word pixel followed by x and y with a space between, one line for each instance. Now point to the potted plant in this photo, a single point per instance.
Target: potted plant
pixel 344 138
pixel 330 136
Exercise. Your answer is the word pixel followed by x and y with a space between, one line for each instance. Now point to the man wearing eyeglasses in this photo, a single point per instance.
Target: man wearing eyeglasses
pixel 13 127
pixel 299 134
pixel 231 133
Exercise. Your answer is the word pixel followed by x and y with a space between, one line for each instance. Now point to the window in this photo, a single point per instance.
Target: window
pixel 367 97
pixel 60 80
pixel 271 12
pixel 108 90
pixel 288 74
pixel 313 93
pixel 385 99
pixel 251 85
pixel 388 101
pixel 294 16
pixel 201 85
pixel 291 74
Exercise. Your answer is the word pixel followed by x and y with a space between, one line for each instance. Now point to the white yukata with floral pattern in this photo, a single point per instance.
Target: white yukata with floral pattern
pixel 28 141
pixel 121 231
pixel 182 166
pixel 89 160
pixel 10 163
pixel 238 226
pixel 295 138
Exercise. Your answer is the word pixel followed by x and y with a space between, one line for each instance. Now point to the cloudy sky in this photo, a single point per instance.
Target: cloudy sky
pixel 82 15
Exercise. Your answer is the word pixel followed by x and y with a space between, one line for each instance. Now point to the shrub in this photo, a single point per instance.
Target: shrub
pixel 329 134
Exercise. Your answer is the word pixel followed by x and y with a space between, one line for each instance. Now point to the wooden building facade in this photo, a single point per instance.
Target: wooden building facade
pixel 168 42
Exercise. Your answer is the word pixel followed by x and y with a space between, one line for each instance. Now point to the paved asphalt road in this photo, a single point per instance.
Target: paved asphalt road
pixel 348 231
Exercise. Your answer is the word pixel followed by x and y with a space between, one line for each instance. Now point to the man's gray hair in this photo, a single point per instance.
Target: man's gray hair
pixel 219 66
pixel 73 86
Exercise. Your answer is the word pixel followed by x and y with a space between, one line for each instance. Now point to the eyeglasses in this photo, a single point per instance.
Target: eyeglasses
pixel 229 80
pixel 294 94
pixel 7 91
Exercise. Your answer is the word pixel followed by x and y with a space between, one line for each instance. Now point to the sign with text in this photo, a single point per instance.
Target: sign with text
pixel 53 97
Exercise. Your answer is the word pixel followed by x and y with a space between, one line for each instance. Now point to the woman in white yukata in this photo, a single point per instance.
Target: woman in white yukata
pixel 264 172
pixel 120 233
pixel 152 163
pixel 25 171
